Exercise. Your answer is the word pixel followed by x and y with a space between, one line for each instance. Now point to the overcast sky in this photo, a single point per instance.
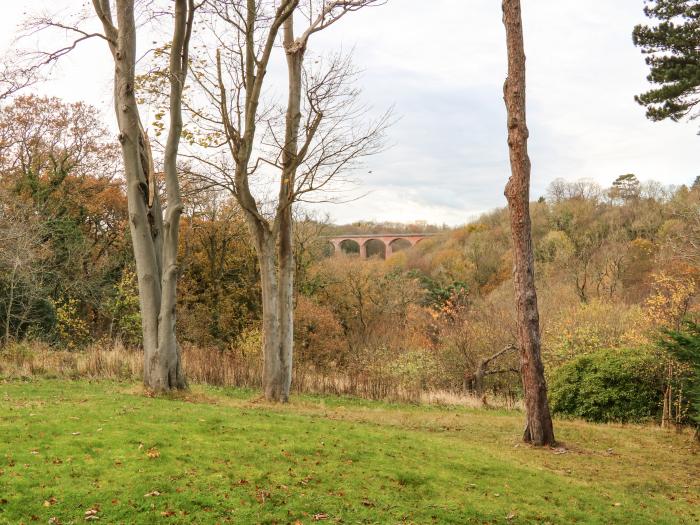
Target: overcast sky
pixel 441 64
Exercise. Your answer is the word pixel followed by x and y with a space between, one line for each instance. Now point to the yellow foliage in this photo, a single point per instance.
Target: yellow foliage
pixel 671 299
pixel 587 327
pixel 73 329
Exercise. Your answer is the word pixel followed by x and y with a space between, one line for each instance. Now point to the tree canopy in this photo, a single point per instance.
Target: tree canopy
pixel 673 56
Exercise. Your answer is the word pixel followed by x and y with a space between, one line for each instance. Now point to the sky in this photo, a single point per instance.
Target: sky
pixel 441 65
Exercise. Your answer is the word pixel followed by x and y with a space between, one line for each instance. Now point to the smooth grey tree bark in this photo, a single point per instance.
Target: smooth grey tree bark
pixel 154 234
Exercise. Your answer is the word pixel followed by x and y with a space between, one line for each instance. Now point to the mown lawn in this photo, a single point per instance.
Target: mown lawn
pixel 71 451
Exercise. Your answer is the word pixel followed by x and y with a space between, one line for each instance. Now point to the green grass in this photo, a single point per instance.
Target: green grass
pixel 219 456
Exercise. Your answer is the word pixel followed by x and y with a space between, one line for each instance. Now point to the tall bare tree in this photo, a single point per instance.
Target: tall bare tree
pixel 154 231
pixel 539 430
pixel 304 144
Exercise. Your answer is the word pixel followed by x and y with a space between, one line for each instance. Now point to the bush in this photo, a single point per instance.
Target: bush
pixel 619 385
pixel 577 329
pixel 318 336
pixel 414 370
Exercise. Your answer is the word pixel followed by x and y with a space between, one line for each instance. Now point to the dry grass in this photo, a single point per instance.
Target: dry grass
pixel 207 366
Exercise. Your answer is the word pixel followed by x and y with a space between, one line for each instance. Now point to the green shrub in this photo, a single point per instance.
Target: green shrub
pixel 413 370
pixel 618 385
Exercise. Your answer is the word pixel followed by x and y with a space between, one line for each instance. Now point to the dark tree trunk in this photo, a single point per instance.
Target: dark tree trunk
pixel 539 430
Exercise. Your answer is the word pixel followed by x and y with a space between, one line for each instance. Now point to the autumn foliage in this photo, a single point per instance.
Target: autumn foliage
pixel 614 268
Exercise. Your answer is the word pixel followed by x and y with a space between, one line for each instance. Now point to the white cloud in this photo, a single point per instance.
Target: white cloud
pixel 441 63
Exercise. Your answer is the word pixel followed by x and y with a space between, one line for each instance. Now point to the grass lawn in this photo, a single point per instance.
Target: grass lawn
pixel 71 452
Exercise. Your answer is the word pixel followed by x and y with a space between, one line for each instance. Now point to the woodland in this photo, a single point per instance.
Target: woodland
pixel 175 278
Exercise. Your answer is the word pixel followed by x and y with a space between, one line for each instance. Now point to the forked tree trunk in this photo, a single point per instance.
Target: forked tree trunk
pixel 155 240
pixel 275 245
pixel 273 238
pixel 539 430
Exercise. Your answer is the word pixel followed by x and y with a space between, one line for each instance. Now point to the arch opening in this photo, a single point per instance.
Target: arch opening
pixel 349 247
pixel 399 245
pixel 328 249
pixel 375 248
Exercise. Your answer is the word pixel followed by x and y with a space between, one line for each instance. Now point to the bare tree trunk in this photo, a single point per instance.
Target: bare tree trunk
pixel 273 384
pixel 274 237
pixel 275 252
pixel 10 304
pixel 294 51
pixel 666 414
pixel 138 169
pixel 168 368
pixel 539 430
pixel 155 240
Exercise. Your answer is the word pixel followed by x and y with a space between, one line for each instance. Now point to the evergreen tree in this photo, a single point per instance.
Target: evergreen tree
pixel 696 184
pixel 625 187
pixel 672 49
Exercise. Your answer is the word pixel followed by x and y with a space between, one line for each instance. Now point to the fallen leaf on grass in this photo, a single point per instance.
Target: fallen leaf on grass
pixel 153 493
pixel 75 433
pixel 511 516
pixel 320 516
pixel 168 513
pixel 53 520
pixel 261 495
pixel 153 453
pixel 50 501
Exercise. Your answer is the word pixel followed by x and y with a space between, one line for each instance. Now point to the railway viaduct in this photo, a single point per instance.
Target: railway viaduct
pixel 382 244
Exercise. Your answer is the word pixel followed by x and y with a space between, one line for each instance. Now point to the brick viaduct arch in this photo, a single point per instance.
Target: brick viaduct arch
pixel 389 240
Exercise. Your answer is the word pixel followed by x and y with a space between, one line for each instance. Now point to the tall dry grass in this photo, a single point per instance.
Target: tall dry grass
pixel 209 366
